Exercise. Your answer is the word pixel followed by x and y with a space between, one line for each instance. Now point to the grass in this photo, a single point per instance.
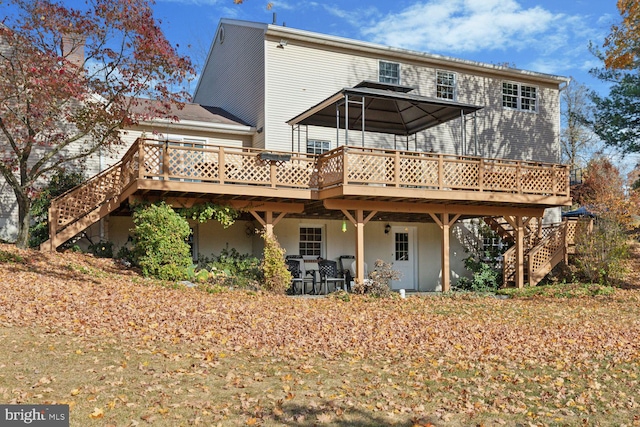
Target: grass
pixel 125 351
pixel 562 290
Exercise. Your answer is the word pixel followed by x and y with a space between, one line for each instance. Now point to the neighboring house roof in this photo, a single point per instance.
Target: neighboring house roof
pixel 385 108
pixel 198 117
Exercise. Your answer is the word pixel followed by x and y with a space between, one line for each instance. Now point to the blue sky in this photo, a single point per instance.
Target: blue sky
pixel 550 36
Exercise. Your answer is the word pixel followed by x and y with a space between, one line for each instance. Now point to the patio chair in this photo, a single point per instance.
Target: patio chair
pixel 343 265
pixel 329 274
pixel 298 277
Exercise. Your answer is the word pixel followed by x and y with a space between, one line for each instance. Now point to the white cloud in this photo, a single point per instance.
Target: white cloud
pixel 463 26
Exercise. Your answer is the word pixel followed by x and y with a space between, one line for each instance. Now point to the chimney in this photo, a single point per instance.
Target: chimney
pixel 72 47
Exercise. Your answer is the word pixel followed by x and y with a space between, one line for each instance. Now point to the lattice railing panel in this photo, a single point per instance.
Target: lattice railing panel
pixel 501 177
pixel 418 171
pixel 246 168
pixel 296 173
pixel 152 160
pixel 331 168
pixel 457 174
pixel 538 181
pixel 369 168
pixel 547 248
pixel 88 196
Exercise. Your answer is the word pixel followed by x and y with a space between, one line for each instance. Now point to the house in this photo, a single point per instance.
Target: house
pixel 342 147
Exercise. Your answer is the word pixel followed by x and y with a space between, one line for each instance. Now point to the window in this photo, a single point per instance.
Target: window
pixel 315 146
pixel 445 85
pixel 519 97
pixel 311 241
pixel 402 246
pixel 389 72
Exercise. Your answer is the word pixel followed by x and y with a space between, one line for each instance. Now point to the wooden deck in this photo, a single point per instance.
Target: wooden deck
pixel 390 178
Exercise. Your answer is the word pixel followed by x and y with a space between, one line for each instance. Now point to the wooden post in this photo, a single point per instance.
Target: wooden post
pixel 396 169
pixel 268 223
pixel 519 252
pixel 360 245
pixel 222 168
pixel 445 222
pixel 446 275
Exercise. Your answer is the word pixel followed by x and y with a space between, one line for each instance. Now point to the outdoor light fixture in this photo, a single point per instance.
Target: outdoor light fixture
pixel 387 229
pixel 344 225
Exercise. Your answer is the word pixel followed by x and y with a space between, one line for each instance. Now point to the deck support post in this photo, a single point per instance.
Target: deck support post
pixel 359 222
pixel 268 222
pixel 518 225
pixel 445 221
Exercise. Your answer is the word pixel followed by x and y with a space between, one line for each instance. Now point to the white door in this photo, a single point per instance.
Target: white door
pixel 404 257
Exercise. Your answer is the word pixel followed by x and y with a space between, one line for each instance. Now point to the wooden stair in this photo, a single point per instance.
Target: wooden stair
pixel 82 206
pixel 544 248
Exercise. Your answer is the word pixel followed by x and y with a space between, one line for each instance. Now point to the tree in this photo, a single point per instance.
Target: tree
pixel 599 254
pixel 623 44
pixel 70 79
pixel 576 137
pixel 617 117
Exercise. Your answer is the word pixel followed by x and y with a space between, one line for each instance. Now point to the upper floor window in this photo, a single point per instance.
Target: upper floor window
pixel 316 146
pixel 519 97
pixel 445 85
pixel 389 72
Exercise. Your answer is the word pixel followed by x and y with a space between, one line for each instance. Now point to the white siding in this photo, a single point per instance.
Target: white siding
pixel 300 75
pixel 233 78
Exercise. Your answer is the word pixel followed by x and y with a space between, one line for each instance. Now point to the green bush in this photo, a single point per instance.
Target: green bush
pixel 276 276
pixel 102 249
pixel 231 268
pixel 60 183
pixel 159 242
pixel 486 276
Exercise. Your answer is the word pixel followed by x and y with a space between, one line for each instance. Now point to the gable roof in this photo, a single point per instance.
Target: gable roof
pixel 384 108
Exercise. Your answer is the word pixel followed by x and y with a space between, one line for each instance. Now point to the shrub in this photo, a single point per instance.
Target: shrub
pixel 231 268
pixel 600 253
pixel 276 276
pixel 486 276
pixel 159 242
pixel 60 183
pixel 102 249
pixel 379 279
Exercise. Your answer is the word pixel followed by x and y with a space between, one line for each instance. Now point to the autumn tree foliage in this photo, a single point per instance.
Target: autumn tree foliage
pixel 606 194
pixel 623 43
pixel 70 78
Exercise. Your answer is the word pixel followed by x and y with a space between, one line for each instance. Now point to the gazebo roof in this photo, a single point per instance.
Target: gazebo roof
pixel 386 108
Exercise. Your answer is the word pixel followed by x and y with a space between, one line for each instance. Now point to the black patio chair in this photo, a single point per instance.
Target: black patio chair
pixel 329 274
pixel 297 276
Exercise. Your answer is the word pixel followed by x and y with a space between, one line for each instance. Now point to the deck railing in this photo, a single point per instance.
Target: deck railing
pixel 362 166
pixel 191 162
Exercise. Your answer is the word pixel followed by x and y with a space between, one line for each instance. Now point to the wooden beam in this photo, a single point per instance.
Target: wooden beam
pixel 445 221
pixel 444 195
pixel 427 208
pixel 243 205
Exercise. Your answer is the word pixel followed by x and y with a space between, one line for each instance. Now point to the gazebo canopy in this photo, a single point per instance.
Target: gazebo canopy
pixel 384 108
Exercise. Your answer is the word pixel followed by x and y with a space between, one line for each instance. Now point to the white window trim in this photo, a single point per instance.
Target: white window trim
pixel 319 141
pixel 323 242
pixel 380 61
pixel 455 84
pixel 519 97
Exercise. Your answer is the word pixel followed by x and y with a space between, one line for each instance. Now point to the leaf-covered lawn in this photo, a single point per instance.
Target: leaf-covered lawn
pixel 123 350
